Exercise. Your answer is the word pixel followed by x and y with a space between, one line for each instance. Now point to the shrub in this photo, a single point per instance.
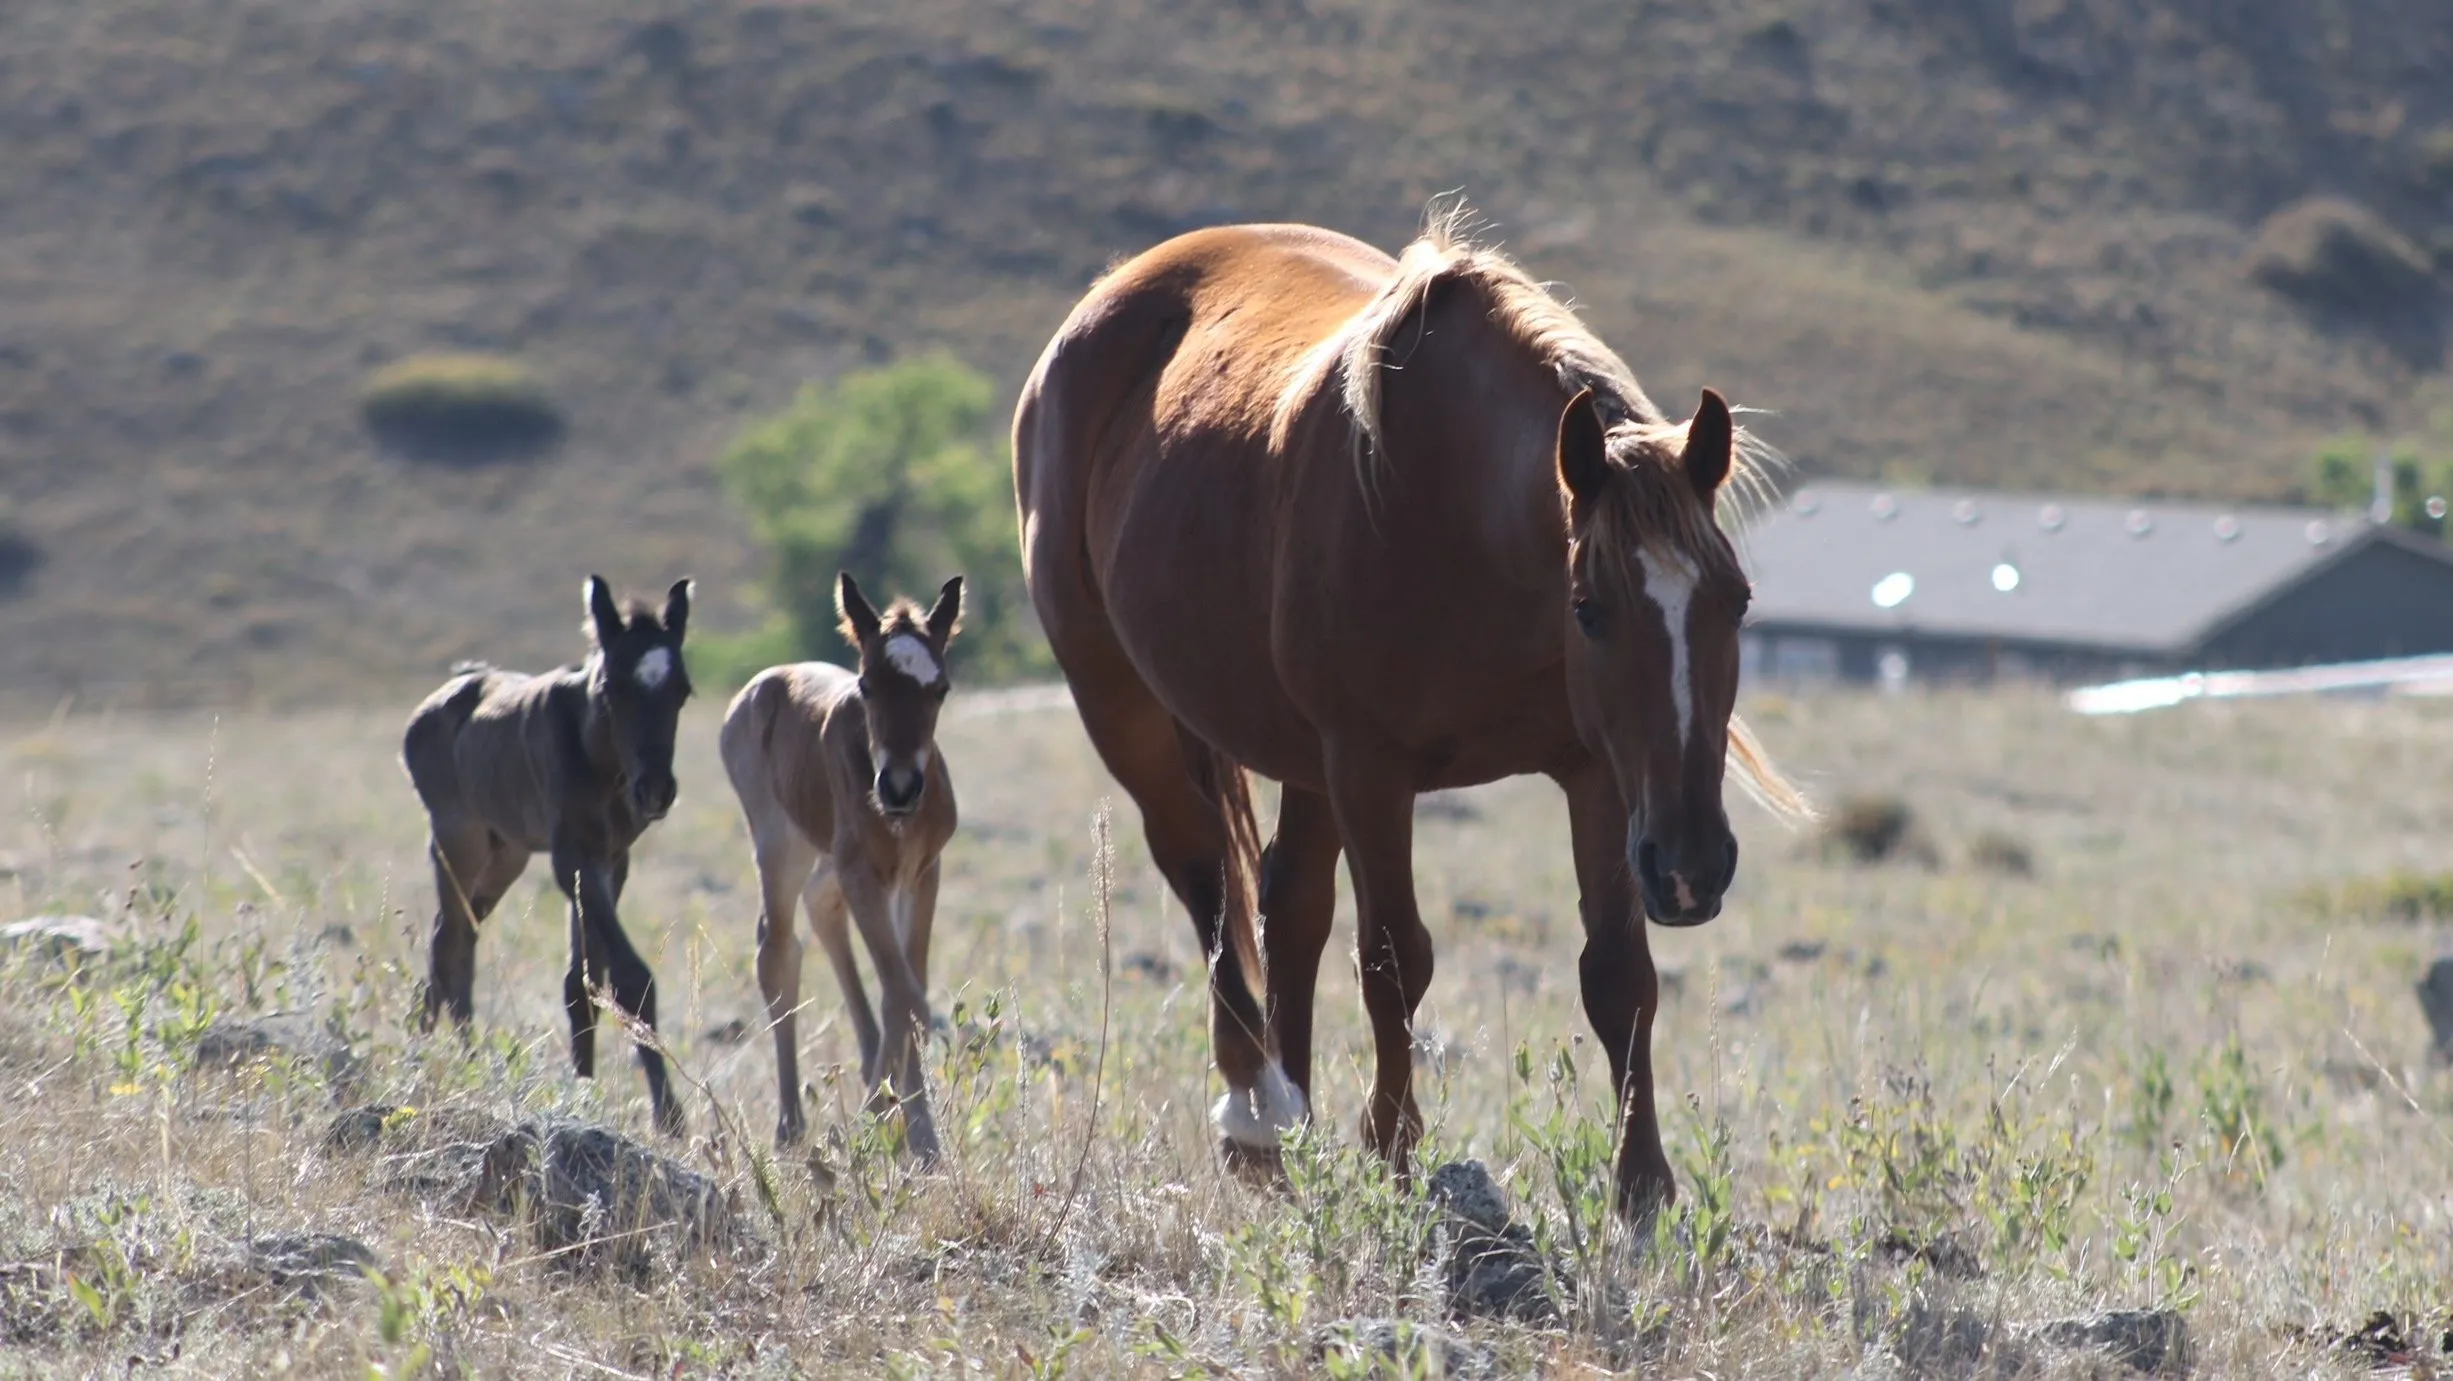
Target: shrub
pixel 2435 160
pixel 896 475
pixel 2394 896
pixel 2339 256
pixel 2343 475
pixel 1874 828
pixel 1999 852
pixel 460 407
pixel 19 554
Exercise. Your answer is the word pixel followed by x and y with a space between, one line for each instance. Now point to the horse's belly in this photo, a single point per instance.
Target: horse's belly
pixel 1183 573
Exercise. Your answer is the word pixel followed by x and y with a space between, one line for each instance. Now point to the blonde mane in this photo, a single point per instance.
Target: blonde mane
pixel 1657 510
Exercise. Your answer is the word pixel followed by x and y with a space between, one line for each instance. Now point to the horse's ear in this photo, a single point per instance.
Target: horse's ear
pixel 946 616
pixel 1711 443
pixel 859 618
pixel 677 607
pixel 604 616
pixel 1584 453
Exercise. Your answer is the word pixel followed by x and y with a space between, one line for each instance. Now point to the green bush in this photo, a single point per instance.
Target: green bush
pixel 2399 896
pixel 18 553
pixel 460 406
pixel 899 476
pixel 2343 475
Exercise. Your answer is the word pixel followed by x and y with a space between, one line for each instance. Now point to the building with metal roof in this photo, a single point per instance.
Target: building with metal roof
pixel 1861 581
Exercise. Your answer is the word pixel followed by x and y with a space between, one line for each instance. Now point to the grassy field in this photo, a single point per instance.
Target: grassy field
pixel 1920 1107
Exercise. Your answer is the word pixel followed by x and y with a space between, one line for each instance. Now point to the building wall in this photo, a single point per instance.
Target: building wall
pixel 1804 653
pixel 2381 601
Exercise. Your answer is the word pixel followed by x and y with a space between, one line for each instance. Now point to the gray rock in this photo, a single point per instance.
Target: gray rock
pixel 1948 1341
pixel 63 937
pixel 1494 1270
pixel 2151 1340
pixel 597 1193
pixel 1416 1349
pixel 310 1260
pixel 229 1043
pixel 594 1196
pixel 2436 1000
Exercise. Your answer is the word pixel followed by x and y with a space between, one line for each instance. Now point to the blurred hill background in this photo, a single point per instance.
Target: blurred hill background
pixel 2135 245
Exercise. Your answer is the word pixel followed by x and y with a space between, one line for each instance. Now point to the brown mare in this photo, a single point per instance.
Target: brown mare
pixel 1374 527
pixel 849 803
pixel 577 763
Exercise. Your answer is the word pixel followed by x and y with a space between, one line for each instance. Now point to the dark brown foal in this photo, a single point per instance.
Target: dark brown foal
pixel 576 764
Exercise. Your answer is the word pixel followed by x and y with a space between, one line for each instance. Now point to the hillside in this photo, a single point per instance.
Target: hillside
pixel 1989 240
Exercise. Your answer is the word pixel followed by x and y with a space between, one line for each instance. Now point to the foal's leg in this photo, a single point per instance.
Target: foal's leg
pixel 1622 990
pixel 634 986
pixel 830 918
pixel 578 1001
pixel 901 1080
pixel 462 855
pixel 1374 803
pixel 784 861
pixel 1298 905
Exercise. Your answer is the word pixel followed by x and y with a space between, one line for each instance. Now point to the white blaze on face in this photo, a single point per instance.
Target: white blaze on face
pixel 654 667
pixel 911 656
pixel 1671 587
pixel 1254 1117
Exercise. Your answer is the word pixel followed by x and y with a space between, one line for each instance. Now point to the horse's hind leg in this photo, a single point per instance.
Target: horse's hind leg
pixel 462 858
pixel 1145 750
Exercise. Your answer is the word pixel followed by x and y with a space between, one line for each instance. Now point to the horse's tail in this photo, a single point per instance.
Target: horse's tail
pixel 1228 787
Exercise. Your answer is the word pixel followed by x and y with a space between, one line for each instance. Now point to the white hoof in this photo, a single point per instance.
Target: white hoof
pixel 1254 1117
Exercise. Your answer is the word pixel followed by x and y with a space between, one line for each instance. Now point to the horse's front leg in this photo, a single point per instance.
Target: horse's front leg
pixel 597 933
pixel 578 1002
pixel 884 910
pixel 1622 990
pixel 1373 799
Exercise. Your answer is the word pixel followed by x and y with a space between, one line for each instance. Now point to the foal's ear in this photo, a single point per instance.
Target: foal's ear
pixel 677 607
pixel 604 616
pixel 858 618
pixel 946 616
pixel 1711 441
pixel 1584 454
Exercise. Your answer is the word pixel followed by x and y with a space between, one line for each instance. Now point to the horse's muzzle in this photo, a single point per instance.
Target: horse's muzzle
pixel 899 790
pixel 653 799
pixel 1682 885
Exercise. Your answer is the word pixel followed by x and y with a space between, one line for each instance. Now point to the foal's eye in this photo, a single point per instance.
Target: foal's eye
pixel 1588 618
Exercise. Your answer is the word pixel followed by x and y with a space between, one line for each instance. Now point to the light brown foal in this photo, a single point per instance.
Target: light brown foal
pixel 849 804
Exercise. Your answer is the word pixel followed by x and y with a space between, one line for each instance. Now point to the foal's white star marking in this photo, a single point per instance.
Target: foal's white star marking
pixel 911 657
pixel 654 665
pixel 1671 587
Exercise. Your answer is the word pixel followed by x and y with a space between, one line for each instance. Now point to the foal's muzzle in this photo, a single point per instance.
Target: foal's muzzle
pixel 653 797
pixel 1682 881
pixel 899 788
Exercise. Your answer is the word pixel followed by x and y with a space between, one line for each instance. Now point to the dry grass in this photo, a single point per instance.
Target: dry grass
pixel 2148 1077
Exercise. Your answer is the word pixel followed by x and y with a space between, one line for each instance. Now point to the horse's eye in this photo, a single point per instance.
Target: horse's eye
pixel 1588 618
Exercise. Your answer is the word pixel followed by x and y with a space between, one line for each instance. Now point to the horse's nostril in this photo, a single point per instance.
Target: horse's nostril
pixel 1648 862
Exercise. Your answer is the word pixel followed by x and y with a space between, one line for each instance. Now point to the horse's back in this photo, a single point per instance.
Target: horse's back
pixel 774 747
pixel 470 746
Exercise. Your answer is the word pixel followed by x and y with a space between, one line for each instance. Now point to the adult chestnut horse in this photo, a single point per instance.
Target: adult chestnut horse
pixel 1374 527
